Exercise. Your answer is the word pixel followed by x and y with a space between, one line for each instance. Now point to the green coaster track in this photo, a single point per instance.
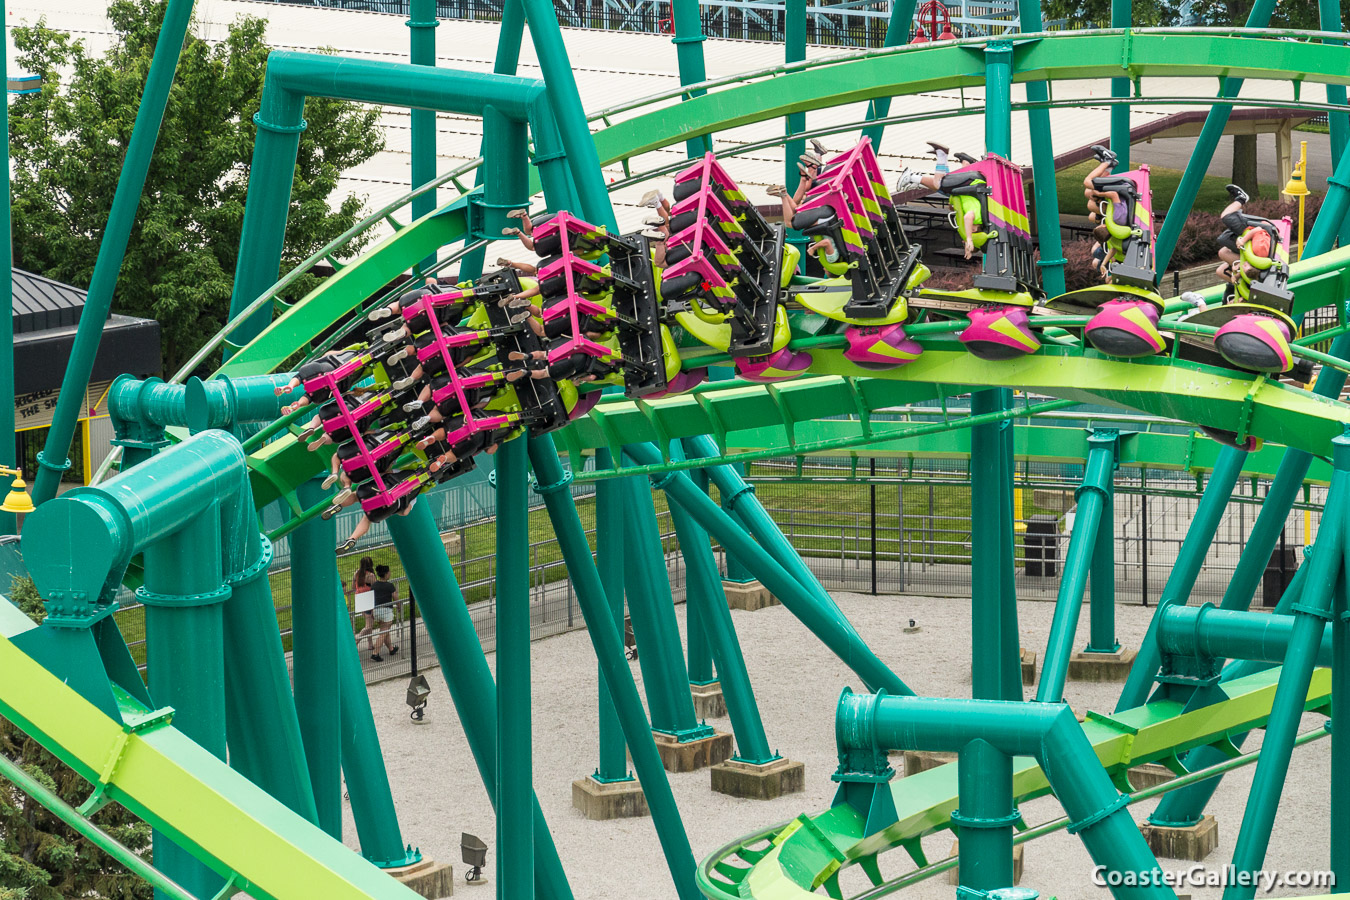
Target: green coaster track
pixel 245 835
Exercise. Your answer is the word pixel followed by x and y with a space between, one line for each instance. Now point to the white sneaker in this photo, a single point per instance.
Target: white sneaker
pixel 419 424
pixel 392 336
pixel 398 356
pixel 404 383
pixel 329 481
pixel 908 179
pixel 651 199
pixel 412 406
pixel 379 314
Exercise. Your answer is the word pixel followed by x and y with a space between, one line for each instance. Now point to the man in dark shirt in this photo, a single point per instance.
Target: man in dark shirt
pixel 385 595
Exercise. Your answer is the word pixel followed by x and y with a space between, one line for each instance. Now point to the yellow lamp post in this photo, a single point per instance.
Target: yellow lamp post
pixel 1297 186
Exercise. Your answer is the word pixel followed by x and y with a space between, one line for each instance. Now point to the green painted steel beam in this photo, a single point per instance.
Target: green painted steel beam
pixel 813 847
pixel 182 790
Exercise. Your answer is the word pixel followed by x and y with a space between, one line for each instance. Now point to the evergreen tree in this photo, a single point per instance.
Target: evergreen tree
pixel 42 858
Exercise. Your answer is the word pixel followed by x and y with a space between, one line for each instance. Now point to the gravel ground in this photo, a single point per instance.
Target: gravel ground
pixel 797 682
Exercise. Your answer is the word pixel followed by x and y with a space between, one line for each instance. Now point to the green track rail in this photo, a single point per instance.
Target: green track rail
pixel 162 776
pixel 809 851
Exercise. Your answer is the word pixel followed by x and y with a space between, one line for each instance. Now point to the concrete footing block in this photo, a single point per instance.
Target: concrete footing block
pixel 1028 666
pixel 428 878
pixel 1150 775
pixel 600 801
pixel 954 873
pixel 765 781
pixel 916 761
pixel 1193 843
pixel 691 756
pixel 1102 667
pixel 748 595
pixel 708 700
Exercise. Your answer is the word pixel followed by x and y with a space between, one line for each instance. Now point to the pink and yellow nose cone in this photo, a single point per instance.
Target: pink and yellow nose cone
pixel 999 332
pixel 1126 328
pixel 880 348
pixel 1256 342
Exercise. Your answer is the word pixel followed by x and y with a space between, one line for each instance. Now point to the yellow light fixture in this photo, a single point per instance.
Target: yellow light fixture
pixel 18 500
pixel 1297 187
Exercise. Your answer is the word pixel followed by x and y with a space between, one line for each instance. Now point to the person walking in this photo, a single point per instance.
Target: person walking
pixel 386 592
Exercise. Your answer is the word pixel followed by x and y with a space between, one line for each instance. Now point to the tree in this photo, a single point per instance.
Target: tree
pixel 69 140
pixel 41 858
pixel 1097 13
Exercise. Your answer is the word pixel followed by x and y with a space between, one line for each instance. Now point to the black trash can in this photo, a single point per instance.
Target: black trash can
pixel 1279 572
pixel 1041 545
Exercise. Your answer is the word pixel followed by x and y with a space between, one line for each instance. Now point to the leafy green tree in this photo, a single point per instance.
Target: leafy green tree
pixel 1097 13
pixel 69 140
pixel 41 858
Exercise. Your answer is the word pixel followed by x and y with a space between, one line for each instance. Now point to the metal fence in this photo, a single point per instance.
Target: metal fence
pixel 853 23
pixel 881 526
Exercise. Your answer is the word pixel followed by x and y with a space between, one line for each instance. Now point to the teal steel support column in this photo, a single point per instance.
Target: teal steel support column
pixel 995 675
pixel 826 623
pixel 553 485
pixel 573 129
pixel 985 817
pixel 185 642
pixel 987 550
pixel 1092 497
pixel 53 460
pixel 897 34
pixel 432 581
pixel 1311 613
pixel 1329 19
pixel 262 724
pixel 1044 191
pixel 1199 538
pixel 1102 615
pixel 8 450
pixel 688 41
pixel 422 25
pixel 743 507
pixel 794 50
pixel 1203 152
pixel 698 652
pixel 1185 807
pixel 653 612
pixel 705 595
pixel 1049 733
pixel 609 541
pixel 1121 17
pixel 515 792
pixel 794 15
pixel 362 761
pixel 314 642
pixel 1340 740
pixel 505 62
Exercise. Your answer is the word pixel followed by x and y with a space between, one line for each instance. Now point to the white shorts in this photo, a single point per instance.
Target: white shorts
pixel 383 614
